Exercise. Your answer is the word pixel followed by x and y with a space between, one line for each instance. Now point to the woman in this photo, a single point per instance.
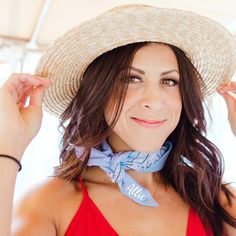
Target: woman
pixel 134 159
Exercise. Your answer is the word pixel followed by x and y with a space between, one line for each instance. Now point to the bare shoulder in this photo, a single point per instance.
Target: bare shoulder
pixel 230 208
pixel 43 206
pixel 55 187
pixel 223 198
pixel 50 189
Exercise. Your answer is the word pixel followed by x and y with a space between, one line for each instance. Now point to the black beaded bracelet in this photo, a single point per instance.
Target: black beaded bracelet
pixel 14 159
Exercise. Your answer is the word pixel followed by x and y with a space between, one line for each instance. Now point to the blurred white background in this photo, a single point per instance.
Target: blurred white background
pixel 28 27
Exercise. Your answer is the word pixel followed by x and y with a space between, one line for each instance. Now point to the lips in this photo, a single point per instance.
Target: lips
pixel 149 123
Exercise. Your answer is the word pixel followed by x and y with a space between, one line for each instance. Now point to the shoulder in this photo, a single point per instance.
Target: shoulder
pixel 43 203
pixel 50 189
pixel 223 198
pixel 229 207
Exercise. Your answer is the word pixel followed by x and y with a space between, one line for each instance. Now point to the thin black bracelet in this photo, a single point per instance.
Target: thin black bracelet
pixel 14 159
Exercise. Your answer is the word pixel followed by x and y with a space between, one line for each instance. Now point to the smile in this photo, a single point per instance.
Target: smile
pixel 149 123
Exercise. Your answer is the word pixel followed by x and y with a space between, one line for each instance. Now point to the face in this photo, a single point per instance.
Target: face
pixel 152 104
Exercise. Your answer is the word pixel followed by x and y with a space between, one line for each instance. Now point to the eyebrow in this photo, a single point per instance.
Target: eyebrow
pixel 143 72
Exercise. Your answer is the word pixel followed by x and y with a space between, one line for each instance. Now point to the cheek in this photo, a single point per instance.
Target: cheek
pixel 175 110
pixel 121 127
pixel 110 110
pixel 107 116
pixel 132 99
pixel 175 107
pixel 173 99
pixel 177 104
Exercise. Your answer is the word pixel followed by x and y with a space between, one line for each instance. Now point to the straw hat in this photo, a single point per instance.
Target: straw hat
pixel 210 47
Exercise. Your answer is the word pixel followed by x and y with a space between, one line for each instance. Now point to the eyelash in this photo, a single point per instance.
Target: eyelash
pixel 130 80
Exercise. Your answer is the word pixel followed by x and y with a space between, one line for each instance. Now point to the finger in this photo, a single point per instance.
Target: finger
pixel 34 93
pixel 37 97
pixel 233 83
pixel 24 95
pixel 17 82
pixel 45 81
pixel 229 83
pixel 226 89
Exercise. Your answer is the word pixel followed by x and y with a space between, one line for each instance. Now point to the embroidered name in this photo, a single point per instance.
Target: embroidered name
pixel 136 191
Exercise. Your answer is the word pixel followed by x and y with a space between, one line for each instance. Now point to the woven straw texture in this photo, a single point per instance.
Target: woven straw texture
pixel 210 47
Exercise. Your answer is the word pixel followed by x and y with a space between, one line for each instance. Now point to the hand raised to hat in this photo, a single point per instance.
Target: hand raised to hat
pixel 228 92
pixel 20 122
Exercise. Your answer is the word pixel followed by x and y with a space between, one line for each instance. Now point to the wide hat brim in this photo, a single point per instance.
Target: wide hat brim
pixel 209 46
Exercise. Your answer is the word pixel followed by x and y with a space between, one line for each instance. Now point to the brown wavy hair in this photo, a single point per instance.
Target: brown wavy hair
pixel 195 165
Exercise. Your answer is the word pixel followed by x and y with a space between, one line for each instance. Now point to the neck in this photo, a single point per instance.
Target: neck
pixel 147 180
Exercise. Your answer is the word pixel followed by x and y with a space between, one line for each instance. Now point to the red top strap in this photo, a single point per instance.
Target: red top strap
pixel 89 221
pixel 84 189
pixel 195 225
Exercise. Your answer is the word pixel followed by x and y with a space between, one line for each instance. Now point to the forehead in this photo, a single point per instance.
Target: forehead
pixel 155 54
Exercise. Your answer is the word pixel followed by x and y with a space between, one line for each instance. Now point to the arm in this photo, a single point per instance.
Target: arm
pixel 47 208
pixel 33 214
pixel 8 172
pixel 19 125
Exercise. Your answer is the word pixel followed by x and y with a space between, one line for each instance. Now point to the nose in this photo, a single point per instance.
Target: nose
pixel 152 97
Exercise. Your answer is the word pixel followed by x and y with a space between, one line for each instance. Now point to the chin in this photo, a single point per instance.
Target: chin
pixel 147 147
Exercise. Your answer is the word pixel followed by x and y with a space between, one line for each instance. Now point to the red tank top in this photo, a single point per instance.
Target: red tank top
pixel 89 221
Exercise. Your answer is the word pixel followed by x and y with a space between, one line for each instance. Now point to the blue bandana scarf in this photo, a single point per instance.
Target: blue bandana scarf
pixel 115 164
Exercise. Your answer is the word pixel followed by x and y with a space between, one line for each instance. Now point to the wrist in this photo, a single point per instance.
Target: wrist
pixel 12 159
pixel 8 165
pixel 14 149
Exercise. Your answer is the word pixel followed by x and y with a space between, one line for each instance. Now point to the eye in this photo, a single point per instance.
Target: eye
pixel 133 79
pixel 170 82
